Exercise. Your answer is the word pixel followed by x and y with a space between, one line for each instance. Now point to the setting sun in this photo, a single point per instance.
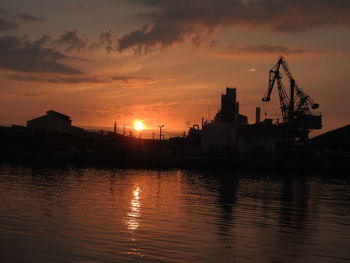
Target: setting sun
pixel 139 126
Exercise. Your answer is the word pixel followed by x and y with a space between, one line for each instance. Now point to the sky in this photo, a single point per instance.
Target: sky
pixel 166 62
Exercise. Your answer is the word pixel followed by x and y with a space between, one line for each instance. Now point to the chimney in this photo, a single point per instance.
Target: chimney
pixel 257 114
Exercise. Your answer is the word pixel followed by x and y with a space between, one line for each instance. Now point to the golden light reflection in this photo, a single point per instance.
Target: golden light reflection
pixel 133 216
pixel 139 126
pixel 132 222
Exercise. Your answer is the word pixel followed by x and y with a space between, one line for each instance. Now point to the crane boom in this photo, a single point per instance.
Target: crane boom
pixel 296 106
pixel 273 76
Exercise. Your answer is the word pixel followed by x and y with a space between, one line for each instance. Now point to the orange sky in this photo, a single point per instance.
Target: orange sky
pixel 167 62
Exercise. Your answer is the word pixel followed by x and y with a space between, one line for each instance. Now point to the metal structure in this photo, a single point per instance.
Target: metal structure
pixel 296 107
pixel 160 131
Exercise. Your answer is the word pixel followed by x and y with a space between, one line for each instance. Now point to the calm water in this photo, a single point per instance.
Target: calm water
pixel 87 215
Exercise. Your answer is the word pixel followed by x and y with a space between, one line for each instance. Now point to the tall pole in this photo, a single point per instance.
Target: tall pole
pixel 291 105
pixel 160 131
pixel 124 130
pixel 115 128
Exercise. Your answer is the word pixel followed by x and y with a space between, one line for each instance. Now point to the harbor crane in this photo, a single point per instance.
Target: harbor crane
pixel 296 107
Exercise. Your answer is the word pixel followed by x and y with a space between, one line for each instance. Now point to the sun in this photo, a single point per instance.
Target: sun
pixel 139 126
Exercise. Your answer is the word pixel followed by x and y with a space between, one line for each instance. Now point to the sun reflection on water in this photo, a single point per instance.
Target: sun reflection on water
pixel 132 219
pixel 132 222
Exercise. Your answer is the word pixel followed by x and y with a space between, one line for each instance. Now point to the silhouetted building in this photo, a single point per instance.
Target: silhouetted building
pixel 194 136
pixel 219 137
pixel 261 137
pixel 221 134
pixel 335 140
pixel 229 106
pixel 230 131
pixel 54 121
pixel 229 111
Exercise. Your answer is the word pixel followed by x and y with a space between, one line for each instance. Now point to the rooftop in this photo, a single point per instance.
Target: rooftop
pixel 52 112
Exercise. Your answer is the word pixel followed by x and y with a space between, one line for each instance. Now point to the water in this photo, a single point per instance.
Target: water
pixel 88 215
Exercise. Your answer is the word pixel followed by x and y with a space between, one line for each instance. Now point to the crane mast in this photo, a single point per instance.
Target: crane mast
pixel 296 106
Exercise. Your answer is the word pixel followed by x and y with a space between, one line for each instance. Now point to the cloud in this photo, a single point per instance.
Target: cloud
pixel 125 81
pixel 269 49
pixel 146 37
pixel 264 49
pixel 73 40
pixel 108 39
pixel 56 79
pixel 7 25
pixel 173 21
pixel 24 55
pixel 31 18
pixel 133 82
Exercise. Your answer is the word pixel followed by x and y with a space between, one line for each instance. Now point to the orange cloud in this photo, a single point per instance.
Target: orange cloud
pixel 125 81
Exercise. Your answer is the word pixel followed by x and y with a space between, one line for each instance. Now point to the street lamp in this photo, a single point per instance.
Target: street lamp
pixel 160 131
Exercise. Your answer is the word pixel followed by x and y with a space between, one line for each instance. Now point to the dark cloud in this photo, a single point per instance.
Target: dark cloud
pixel 268 49
pixel 125 80
pixel 264 49
pixel 7 25
pixel 56 79
pixel 174 20
pixel 133 82
pixel 164 34
pixel 73 40
pixel 22 54
pixel 31 18
pixel 108 40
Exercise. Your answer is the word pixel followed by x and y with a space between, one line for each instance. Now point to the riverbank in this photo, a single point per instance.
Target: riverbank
pixel 141 161
pixel 41 148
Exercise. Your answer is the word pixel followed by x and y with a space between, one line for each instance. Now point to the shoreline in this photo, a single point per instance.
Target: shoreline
pixel 319 166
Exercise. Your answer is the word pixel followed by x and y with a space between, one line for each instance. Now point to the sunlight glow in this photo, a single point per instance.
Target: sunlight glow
pixel 139 126
pixel 133 216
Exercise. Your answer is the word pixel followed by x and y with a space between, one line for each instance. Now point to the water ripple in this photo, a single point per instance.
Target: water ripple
pixel 88 215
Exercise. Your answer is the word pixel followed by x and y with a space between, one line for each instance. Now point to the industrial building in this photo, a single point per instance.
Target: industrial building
pixel 261 137
pixel 221 134
pixel 337 140
pixel 55 122
pixel 230 131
